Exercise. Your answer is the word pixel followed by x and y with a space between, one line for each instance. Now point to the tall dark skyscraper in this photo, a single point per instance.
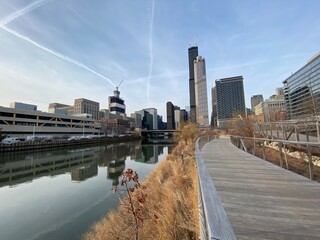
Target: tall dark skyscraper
pixel 230 99
pixel 192 53
pixel 170 116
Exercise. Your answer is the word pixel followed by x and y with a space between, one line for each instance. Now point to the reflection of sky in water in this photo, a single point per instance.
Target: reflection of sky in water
pixel 55 207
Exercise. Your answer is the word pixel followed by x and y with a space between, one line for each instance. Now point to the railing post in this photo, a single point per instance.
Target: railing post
pixel 263 151
pixel 310 163
pixel 280 154
pixel 254 146
pixel 285 156
pixel 318 133
pixel 297 132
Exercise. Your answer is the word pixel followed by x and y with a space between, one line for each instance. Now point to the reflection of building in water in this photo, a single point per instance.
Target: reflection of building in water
pixel 115 169
pixel 115 151
pixel 136 152
pixel 115 155
pixel 84 172
pixel 28 167
pixel 114 158
pixel 150 153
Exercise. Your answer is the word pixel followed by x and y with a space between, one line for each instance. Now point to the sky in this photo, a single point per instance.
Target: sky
pixel 60 50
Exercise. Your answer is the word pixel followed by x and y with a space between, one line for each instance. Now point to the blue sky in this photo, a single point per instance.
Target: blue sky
pixel 56 51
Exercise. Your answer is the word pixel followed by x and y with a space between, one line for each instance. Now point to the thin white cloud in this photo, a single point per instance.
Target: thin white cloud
pixel 57 54
pixel 23 11
pixel 150 49
pixel 28 9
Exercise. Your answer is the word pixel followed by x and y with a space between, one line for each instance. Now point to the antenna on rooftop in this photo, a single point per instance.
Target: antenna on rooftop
pixel 117 86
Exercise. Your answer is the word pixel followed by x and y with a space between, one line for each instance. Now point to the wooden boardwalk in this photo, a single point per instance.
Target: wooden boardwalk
pixel 262 200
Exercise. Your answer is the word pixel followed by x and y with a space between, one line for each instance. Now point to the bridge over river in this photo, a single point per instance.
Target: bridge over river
pixel 252 198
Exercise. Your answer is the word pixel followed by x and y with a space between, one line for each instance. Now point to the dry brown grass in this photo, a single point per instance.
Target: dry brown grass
pixel 172 198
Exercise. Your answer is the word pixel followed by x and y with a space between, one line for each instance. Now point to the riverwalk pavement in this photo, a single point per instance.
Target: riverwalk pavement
pixel 262 200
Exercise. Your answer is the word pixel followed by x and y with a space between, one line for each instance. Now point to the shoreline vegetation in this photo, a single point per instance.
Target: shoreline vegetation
pixel 170 205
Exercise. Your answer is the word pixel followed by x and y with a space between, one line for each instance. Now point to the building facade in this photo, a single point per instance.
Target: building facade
pixel 302 91
pixel 146 119
pixel 230 99
pixel 137 120
pixel 201 96
pixel 154 114
pixel 85 106
pixel 60 108
pixel 116 126
pixel 16 122
pixel 255 100
pixel 23 106
pixel 116 104
pixel 258 109
pixel 176 117
pixel 170 115
pixel 274 110
pixel 192 54
pixel 214 113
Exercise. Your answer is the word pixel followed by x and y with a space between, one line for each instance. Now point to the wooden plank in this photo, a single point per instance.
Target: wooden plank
pixel 262 200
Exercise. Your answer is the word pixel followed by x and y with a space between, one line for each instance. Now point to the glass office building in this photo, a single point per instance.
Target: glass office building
pixel 230 99
pixel 302 91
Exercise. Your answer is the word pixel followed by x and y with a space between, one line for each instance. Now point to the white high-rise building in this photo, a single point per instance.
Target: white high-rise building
pixel 200 82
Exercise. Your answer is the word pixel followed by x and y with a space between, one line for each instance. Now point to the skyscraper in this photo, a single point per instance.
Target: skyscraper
pixel 230 99
pixel 192 54
pixel 154 114
pixel 201 98
pixel 170 116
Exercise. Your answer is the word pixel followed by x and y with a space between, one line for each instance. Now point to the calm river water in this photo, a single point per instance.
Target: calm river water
pixel 59 194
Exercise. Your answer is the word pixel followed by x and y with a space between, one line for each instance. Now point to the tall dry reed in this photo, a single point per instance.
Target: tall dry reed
pixel 170 208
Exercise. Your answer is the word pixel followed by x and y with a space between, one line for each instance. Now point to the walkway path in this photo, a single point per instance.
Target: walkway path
pixel 262 200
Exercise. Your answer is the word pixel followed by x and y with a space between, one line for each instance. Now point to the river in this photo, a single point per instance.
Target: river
pixel 59 194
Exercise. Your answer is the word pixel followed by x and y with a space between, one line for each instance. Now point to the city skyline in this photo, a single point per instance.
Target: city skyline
pixel 91 48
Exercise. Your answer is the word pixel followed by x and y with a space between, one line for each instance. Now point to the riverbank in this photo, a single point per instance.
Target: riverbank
pixel 56 144
pixel 170 207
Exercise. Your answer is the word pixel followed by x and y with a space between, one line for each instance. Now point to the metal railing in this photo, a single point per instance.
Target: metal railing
pixel 281 146
pixel 306 130
pixel 214 223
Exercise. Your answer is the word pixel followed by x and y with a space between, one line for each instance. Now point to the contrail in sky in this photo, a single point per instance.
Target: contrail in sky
pixel 23 11
pixel 30 8
pixel 150 49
